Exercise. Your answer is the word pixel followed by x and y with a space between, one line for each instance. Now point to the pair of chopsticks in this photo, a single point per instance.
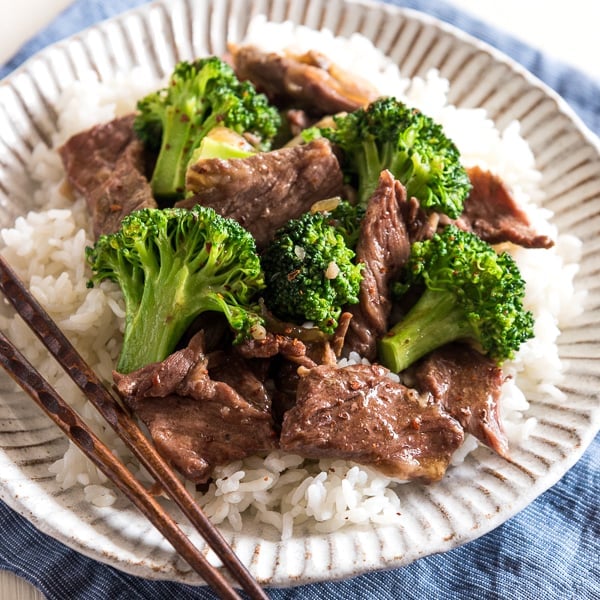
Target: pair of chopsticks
pixel 124 425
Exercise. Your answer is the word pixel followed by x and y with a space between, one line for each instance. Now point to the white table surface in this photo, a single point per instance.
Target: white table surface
pixel 568 34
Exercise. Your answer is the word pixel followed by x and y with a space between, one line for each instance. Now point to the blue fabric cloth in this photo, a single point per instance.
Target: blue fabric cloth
pixel 550 550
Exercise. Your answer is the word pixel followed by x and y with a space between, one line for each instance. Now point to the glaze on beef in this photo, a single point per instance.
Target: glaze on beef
pixel 468 385
pixel 358 413
pixel 309 81
pixel 195 422
pixel 105 164
pixel 383 248
pixel 264 191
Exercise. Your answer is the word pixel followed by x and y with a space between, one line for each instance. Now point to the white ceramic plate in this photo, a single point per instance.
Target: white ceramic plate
pixel 476 496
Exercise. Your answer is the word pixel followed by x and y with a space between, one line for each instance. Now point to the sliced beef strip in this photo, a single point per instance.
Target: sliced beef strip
pixel 290 348
pixel 90 155
pixel 338 338
pixel 492 213
pixel 195 422
pixel 286 373
pixel 306 354
pixel 106 164
pixel 419 225
pixel 309 81
pixel 158 380
pixel 262 192
pixel 467 385
pixel 383 248
pixel 358 413
pixel 264 348
pixel 285 379
pixel 287 355
pixel 297 121
pixel 232 369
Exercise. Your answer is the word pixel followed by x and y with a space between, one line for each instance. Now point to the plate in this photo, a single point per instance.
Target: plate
pixel 474 497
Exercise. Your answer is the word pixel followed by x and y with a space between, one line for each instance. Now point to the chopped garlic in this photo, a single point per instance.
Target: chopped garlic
pixel 300 252
pixel 332 270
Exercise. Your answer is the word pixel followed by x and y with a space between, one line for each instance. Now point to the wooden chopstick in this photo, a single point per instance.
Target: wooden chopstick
pixel 19 368
pixel 122 423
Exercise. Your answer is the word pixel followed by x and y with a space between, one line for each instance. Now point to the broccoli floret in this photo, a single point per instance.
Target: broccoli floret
pixel 173 264
pixel 387 134
pixel 470 293
pixel 342 215
pixel 346 218
pixel 309 272
pixel 200 96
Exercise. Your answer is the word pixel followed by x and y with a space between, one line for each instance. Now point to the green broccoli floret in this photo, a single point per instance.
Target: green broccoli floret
pixel 173 264
pixel 309 272
pixel 346 218
pixel 387 134
pixel 200 96
pixel 470 292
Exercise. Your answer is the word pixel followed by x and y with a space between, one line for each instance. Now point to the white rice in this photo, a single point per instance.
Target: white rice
pixel 47 249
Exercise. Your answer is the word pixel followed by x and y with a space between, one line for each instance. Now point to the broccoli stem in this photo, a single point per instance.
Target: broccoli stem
pixel 166 310
pixel 154 330
pixel 369 170
pixel 436 319
pixel 169 172
pixel 376 159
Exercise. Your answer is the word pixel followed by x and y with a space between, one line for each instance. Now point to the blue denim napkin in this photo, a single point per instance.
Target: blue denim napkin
pixel 550 550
